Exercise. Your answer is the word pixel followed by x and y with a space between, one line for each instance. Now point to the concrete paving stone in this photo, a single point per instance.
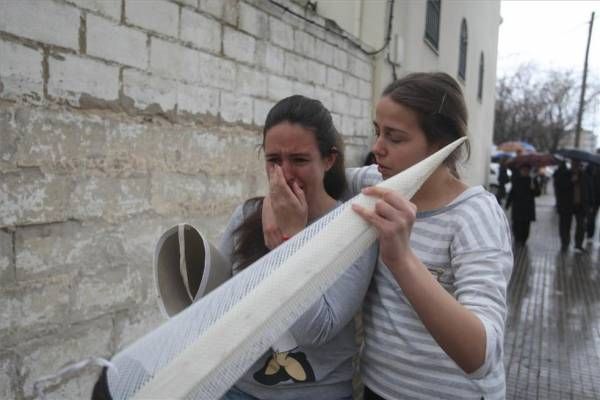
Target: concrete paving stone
pixel 552 338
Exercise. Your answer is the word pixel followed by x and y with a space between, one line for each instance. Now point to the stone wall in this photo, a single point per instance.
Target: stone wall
pixel 118 119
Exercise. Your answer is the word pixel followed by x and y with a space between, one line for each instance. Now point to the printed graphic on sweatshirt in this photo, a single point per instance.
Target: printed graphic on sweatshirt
pixel 284 366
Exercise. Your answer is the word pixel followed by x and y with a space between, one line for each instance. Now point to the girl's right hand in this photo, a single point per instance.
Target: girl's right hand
pixel 284 205
pixel 393 218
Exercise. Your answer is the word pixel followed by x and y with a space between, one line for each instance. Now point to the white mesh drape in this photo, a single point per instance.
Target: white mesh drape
pixel 201 352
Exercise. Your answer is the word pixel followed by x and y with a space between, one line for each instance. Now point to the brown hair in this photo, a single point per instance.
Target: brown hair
pixel 312 115
pixel 438 100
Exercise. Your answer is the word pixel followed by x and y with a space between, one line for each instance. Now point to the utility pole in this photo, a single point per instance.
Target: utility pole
pixel 582 97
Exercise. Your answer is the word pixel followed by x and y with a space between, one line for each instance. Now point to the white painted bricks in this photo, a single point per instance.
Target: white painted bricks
pixel 109 8
pixel 43 21
pixel 239 46
pixel 20 71
pixel 147 89
pixel 253 21
pixel 108 40
pixel 236 108
pixel 281 34
pixel 74 76
pixel 197 99
pixel 201 31
pixel 156 15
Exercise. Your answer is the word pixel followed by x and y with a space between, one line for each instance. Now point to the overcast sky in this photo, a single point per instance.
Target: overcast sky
pixel 553 35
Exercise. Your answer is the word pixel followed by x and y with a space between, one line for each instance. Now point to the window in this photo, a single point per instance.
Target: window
pixel 432 22
pixel 462 55
pixel 480 82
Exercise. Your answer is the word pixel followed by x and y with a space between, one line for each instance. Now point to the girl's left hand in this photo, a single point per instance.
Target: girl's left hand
pixel 393 218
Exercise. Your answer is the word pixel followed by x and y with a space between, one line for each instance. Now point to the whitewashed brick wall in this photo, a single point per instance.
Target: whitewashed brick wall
pixel 118 119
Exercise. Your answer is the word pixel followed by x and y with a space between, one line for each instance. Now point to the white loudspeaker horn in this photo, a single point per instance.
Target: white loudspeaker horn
pixel 186 268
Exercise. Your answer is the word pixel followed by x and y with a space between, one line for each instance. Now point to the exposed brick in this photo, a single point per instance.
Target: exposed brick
pixel 201 31
pixel 236 108
pixel 253 21
pixel 175 61
pixel 20 71
pixel 340 59
pixel 59 248
pixel 7 375
pixel 364 128
pixel 296 66
pixel 49 354
pixel 365 90
pixel 350 85
pixel 172 193
pixel 317 72
pixel 274 59
pixel 8 140
pixel 213 7
pixel 217 72
pixel 23 197
pixel 115 288
pixel 340 103
pixel 355 108
pixel 156 15
pixel 231 11
pixel 279 87
pixel 238 46
pixel 366 109
pixel 348 126
pixel 146 89
pixel 110 8
pixel 197 99
pixel 26 305
pixel 335 79
pixel 304 44
pixel 304 89
pixel 324 52
pixel 360 68
pixel 7 272
pixel 74 76
pixel 324 96
pixel 251 81
pixel 114 42
pixel 108 198
pixel 281 33
pixel 44 21
pixel 190 3
pixel 261 109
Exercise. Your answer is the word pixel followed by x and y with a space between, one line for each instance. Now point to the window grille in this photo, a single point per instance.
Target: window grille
pixel 432 22
pixel 462 56
pixel 480 83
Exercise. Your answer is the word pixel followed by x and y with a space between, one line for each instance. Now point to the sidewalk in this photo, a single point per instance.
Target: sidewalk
pixel 552 342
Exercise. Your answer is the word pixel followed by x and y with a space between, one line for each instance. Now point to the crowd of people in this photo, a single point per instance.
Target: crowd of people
pixel 577 193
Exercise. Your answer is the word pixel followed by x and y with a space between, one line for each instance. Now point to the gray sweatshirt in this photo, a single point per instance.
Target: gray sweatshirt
pixel 321 366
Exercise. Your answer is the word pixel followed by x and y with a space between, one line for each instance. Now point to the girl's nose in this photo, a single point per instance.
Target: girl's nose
pixel 287 169
pixel 379 147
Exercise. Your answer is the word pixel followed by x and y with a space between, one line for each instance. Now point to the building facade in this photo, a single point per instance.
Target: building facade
pixel 457 37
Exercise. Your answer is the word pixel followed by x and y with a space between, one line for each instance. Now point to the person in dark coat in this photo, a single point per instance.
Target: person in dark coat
pixel 503 179
pixel 593 174
pixel 522 199
pixel 572 191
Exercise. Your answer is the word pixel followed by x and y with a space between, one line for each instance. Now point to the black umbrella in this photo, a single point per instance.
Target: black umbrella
pixel 581 155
